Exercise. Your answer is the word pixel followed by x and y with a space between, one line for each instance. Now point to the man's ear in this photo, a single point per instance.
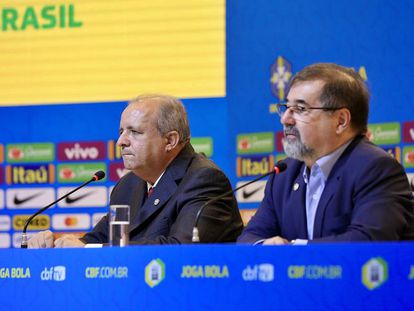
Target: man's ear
pixel 344 120
pixel 173 139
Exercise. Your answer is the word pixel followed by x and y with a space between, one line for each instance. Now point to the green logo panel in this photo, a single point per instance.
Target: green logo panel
pixel 78 173
pixel 203 144
pixel 30 153
pixel 385 133
pixel 408 156
pixel 255 143
pixel 280 157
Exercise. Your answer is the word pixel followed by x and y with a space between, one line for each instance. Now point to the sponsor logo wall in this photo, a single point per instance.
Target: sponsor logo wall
pixel 32 175
pixel 257 152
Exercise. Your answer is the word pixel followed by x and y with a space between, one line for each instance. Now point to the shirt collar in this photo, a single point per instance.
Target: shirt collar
pixel 326 163
pixel 156 182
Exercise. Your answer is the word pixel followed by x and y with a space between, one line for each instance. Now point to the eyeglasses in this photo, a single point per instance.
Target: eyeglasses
pixel 301 110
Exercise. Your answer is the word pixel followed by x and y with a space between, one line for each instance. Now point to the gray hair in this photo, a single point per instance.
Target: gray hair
pixel 171 115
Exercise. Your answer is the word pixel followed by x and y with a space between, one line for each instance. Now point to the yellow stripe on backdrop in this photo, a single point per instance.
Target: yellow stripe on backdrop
pixel 87 51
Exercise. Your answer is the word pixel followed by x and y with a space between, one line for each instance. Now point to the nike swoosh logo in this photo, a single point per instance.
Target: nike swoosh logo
pixel 247 195
pixel 18 201
pixel 72 200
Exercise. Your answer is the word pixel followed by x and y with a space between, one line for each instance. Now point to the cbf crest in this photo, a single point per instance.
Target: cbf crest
pixel 281 72
pixel 154 272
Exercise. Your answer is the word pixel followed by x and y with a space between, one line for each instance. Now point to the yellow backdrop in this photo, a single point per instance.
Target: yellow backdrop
pixel 87 51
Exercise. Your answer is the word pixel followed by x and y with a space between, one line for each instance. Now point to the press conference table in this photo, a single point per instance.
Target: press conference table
pixel 366 276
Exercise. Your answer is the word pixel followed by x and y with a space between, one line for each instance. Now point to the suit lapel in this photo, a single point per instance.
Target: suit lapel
pixel 295 219
pixel 332 187
pixel 137 200
pixel 300 208
pixel 162 192
pixel 165 188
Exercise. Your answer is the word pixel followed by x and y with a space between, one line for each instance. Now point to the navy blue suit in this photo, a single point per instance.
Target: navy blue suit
pixel 366 198
pixel 168 215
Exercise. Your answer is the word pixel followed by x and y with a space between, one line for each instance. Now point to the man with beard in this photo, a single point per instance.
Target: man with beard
pixel 338 187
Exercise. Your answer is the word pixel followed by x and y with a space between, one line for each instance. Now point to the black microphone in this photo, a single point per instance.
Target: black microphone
pixel 97 176
pixel 279 168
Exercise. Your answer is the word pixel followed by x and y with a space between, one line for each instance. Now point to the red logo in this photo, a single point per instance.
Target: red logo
pixel 409 157
pixel 67 173
pixel 71 221
pixel 244 144
pixel 15 153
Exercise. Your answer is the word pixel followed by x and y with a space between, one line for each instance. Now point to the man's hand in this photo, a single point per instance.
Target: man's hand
pixel 276 240
pixel 42 239
pixel 68 240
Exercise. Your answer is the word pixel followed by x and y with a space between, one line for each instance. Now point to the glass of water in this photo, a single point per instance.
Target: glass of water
pixel 119 225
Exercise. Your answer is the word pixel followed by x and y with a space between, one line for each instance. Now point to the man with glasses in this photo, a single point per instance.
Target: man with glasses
pixel 338 186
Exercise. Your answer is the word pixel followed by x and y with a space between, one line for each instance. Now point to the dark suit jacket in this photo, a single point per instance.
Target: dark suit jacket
pixel 188 182
pixel 366 198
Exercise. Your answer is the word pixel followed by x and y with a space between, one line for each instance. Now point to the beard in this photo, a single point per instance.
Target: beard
pixel 294 147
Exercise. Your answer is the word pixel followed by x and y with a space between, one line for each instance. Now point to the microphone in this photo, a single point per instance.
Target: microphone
pixel 278 168
pixel 97 176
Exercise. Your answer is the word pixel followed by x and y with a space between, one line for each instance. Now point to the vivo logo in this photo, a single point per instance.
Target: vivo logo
pixel 121 172
pixel 56 273
pixel 81 151
pixel 117 171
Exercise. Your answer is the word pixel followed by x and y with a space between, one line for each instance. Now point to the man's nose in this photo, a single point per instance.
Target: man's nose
pixel 122 140
pixel 287 118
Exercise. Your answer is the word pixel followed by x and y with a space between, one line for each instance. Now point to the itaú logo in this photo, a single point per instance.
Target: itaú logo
pixel 56 273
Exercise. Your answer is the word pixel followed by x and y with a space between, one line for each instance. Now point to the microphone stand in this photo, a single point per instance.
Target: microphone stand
pixel 196 237
pixel 97 176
